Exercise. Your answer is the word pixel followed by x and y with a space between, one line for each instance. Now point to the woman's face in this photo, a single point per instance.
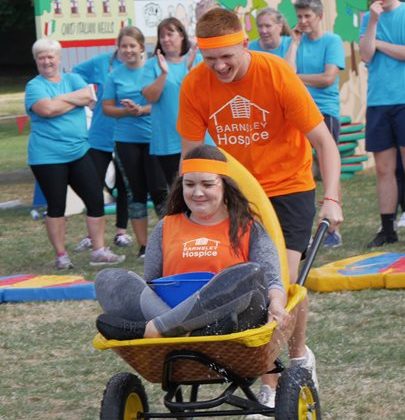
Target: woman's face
pixel 269 31
pixel 203 193
pixel 130 50
pixel 48 63
pixel 171 41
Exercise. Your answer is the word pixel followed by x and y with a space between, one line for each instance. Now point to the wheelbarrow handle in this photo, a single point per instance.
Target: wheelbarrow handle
pixel 313 250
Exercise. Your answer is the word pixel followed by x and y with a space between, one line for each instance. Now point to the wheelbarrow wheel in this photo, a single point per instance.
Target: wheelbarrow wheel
pixel 124 398
pixel 296 396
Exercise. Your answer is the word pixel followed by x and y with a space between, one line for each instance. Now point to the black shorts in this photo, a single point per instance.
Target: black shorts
pixel 385 127
pixel 296 214
pixel 333 125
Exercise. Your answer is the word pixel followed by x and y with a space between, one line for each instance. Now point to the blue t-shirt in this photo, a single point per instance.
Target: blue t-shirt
pixel 386 75
pixel 125 83
pixel 312 56
pixel 59 139
pixel 281 50
pixel 96 71
pixel 165 139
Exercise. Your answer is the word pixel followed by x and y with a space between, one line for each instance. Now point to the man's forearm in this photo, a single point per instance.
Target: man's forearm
pixel 393 50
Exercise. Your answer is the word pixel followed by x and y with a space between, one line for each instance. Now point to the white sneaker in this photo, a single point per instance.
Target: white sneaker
pixel 123 240
pixel 401 221
pixel 84 245
pixel 104 256
pixel 307 362
pixel 267 397
pixel 63 262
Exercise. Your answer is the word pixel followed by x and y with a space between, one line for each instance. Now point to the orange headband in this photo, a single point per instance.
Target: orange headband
pixel 205 165
pixel 221 41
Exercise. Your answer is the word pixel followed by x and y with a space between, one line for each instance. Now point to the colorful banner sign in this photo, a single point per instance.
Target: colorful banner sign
pixel 82 23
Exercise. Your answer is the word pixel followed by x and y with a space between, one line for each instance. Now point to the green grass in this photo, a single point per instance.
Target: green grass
pixel 13 147
pixel 10 84
pixel 12 94
pixel 50 370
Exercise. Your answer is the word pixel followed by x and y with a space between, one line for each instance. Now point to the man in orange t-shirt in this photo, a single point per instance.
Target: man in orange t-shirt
pixel 255 107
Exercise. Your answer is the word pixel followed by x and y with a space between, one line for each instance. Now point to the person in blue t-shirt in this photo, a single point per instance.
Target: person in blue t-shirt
pixel 123 100
pixel 101 141
pixel 318 57
pixel 58 151
pixel 163 75
pixel 274 33
pixel 382 48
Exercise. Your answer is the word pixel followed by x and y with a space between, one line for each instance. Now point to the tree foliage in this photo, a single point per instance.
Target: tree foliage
pixel 16 14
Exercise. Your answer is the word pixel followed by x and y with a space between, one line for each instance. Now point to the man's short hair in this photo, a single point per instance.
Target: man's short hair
pixel 217 22
pixel 315 5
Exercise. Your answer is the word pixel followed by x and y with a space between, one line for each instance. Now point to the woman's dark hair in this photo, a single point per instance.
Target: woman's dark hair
pixel 173 25
pixel 240 212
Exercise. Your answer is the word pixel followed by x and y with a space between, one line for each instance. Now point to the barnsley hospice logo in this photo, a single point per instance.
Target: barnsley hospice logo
pixel 200 247
pixel 241 122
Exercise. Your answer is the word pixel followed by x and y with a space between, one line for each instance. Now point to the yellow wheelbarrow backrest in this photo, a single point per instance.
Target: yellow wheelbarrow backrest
pixel 262 206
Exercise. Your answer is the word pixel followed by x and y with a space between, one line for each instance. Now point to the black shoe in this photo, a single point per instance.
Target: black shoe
pixel 141 253
pixel 383 238
pixel 115 328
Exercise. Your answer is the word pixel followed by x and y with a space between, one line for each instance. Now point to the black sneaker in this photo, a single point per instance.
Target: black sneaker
pixel 141 253
pixel 115 328
pixel 383 238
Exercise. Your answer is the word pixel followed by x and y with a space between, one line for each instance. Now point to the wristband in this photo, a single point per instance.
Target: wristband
pixel 330 199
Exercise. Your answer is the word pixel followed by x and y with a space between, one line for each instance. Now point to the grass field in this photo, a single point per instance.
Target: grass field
pixel 50 370
pixel 13 147
pixel 12 94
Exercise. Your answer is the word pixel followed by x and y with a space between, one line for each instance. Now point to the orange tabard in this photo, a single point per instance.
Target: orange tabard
pixel 188 246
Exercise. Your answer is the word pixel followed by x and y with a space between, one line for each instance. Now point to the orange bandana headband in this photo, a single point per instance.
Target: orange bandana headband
pixel 205 165
pixel 221 41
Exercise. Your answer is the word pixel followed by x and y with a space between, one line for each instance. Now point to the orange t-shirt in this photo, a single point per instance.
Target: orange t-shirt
pixel 261 120
pixel 188 246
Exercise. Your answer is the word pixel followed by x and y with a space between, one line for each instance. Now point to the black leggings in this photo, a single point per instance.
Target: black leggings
pixel 101 160
pixel 141 173
pixel 81 175
pixel 170 166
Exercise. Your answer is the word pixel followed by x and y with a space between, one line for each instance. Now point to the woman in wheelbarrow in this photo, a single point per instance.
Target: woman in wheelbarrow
pixel 209 226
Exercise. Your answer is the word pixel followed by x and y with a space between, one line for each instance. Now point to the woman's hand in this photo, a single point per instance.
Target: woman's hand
pixel 162 62
pixel 277 310
pixel 82 97
pixel 278 313
pixel 132 108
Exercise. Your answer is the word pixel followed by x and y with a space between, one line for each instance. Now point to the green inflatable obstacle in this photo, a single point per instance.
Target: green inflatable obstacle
pixel 345 119
pixel 347 149
pixel 351 167
pixel 354 159
pixel 346 176
pixel 351 128
pixel 352 136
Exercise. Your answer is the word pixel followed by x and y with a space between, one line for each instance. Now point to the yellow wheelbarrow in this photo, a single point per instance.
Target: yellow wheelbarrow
pixel 234 360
